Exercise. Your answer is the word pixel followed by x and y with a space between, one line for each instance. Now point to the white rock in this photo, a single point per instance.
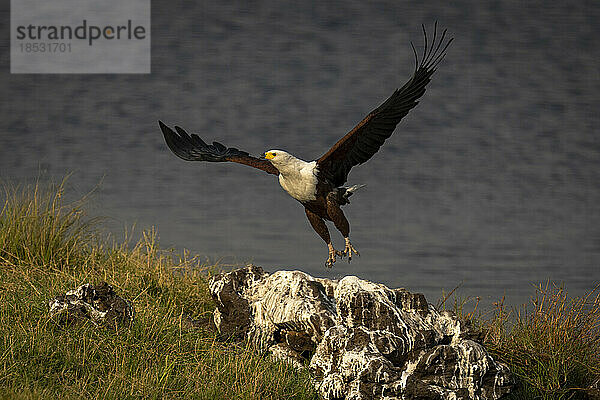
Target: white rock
pixel 360 339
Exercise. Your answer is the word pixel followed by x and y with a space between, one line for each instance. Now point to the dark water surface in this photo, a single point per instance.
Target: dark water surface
pixel 493 180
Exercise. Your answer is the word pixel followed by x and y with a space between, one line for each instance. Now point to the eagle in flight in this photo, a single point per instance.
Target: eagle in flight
pixel 318 184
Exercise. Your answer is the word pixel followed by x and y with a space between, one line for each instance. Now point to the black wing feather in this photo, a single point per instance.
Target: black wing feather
pixel 193 148
pixel 362 142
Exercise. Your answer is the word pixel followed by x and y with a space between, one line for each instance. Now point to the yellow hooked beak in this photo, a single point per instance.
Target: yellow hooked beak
pixel 269 155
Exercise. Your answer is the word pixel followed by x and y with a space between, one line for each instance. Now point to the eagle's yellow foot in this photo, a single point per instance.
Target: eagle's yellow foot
pixel 332 254
pixel 349 249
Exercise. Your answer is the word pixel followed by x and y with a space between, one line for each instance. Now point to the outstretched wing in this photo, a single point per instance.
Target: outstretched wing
pixel 362 142
pixel 192 148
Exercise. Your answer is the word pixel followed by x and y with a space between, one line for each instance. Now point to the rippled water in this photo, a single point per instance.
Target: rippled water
pixel 491 181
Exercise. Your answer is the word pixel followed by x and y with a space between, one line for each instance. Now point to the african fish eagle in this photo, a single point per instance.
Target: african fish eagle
pixel 318 185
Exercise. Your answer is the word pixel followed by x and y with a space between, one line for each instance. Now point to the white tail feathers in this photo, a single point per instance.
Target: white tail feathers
pixel 349 191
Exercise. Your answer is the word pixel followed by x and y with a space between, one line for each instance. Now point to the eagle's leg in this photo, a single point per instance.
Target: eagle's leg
pixel 341 223
pixel 319 226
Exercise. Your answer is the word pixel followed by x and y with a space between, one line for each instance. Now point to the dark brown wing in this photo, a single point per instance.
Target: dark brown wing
pixel 192 148
pixel 362 142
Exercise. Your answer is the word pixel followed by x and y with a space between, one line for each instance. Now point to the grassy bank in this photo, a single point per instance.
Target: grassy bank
pixel 48 247
pixel 552 345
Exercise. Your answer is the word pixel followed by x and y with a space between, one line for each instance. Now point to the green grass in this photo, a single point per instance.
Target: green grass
pixel 552 346
pixel 38 228
pixel 47 247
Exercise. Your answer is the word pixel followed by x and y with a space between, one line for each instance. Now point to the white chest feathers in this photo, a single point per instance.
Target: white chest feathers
pixel 299 180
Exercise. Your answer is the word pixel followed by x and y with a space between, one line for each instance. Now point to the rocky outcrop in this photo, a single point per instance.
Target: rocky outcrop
pixel 361 340
pixel 96 303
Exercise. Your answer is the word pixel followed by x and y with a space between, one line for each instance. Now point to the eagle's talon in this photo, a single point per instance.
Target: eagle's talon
pixel 330 261
pixel 333 253
pixel 349 249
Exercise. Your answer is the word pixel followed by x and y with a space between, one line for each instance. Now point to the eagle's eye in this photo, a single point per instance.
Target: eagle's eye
pixel 274 154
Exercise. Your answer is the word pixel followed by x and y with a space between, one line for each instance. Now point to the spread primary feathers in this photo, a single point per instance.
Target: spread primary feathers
pixel 317 185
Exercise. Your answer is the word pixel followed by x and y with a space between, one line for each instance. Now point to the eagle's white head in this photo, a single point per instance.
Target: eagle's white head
pixel 279 157
pixel 288 164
